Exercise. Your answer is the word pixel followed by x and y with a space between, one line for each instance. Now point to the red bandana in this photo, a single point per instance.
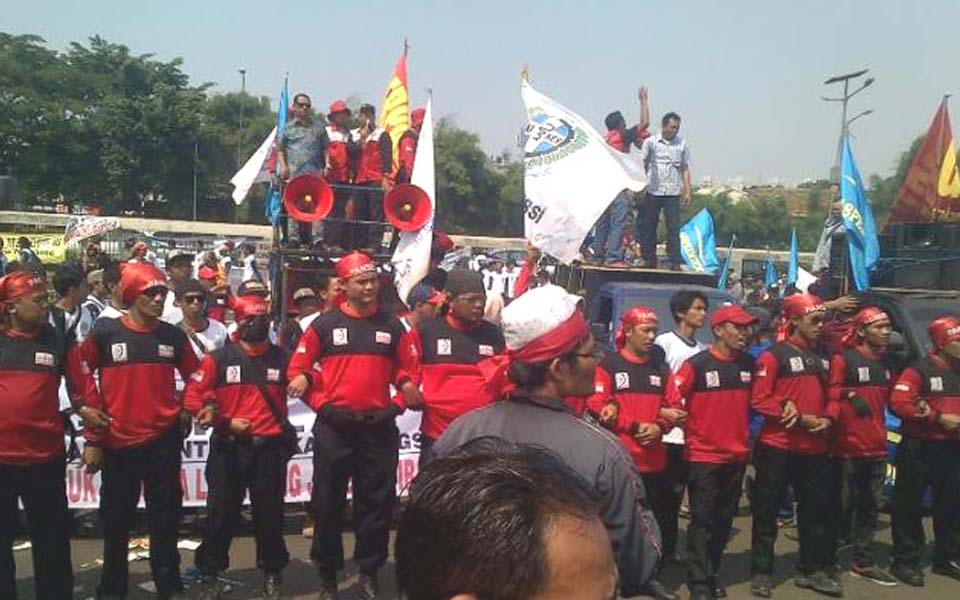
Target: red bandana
pixel 639 315
pixel 355 263
pixel 867 316
pixel 18 284
pixel 136 278
pixel 247 306
pixel 798 305
pixel 944 331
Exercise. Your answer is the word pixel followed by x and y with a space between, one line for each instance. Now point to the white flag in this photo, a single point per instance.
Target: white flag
pixel 571 175
pixel 411 259
pixel 254 171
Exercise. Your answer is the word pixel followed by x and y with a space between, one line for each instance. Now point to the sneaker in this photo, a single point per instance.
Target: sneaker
pixel 328 588
pixel 761 587
pixel 820 582
pixel 790 521
pixel 948 569
pixel 657 590
pixel 874 574
pixel 368 587
pixel 209 589
pixel 271 586
pixel 908 575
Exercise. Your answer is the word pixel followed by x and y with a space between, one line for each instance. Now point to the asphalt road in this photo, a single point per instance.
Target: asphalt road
pixel 300 580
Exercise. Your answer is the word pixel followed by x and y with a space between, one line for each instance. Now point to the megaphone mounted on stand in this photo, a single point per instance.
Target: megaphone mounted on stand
pixel 407 207
pixel 308 198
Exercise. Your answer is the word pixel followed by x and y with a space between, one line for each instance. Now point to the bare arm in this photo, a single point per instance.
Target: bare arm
pixel 644 109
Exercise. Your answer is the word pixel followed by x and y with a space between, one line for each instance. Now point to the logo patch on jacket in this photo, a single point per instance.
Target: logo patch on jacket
pixel 384 337
pixel 165 351
pixel 936 384
pixel 745 376
pixel 485 350
pixel 444 347
pixel 713 379
pixel 119 352
pixel 43 358
pixel 273 374
pixel 796 364
pixel 622 380
pixel 340 337
pixel 233 374
pixel 863 374
pixel 655 380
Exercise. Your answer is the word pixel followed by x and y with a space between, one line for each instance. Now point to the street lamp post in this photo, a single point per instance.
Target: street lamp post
pixel 196 160
pixel 844 99
pixel 243 90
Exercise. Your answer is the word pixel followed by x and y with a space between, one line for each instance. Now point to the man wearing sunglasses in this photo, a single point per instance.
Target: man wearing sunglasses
pixel 33 356
pixel 138 440
pixel 301 150
pixel 206 334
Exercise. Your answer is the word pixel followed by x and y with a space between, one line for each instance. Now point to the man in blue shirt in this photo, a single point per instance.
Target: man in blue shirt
pixel 302 148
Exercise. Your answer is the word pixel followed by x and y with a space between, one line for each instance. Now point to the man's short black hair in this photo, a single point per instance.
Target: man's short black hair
pixel 670 116
pixel 476 521
pixel 615 120
pixel 191 286
pixel 24 242
pixel 681 301
pixel 368 109
pixel 302 95
pixel 68 275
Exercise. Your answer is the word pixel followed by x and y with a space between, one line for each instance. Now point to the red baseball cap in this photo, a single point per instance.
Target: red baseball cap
pixel 732 313
pixel 338 107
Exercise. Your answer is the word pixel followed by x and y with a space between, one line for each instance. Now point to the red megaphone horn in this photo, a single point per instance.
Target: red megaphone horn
pixel 407 207
pixel 308 198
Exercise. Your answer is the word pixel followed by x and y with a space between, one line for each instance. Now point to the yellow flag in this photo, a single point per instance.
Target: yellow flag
pixel 395 111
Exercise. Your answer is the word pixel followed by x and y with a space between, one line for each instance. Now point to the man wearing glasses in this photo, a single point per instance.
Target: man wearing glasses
pixel 133 428
pixel 451 348
pixel 301 150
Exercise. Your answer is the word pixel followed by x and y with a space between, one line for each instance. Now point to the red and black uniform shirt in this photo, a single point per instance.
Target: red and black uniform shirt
pixel 31 428
pixel 932 380
pixel 856 372
pixel 406 154
pixel 338 155
pixel 785 372
pixel 359 357
pixel 373 157
pixel 137 384
pixel 452 381
pixel 231 379
pixel 640 389
pixel 717 391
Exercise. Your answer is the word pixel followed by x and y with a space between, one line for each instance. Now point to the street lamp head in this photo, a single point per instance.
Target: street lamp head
pixel 868 81
pixel 845 77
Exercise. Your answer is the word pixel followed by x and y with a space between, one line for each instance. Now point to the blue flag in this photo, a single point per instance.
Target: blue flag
pixel 722 282
pixel 794 266
pixel 698 246
pixel 273 194
pixel 857 220
pixel 769 273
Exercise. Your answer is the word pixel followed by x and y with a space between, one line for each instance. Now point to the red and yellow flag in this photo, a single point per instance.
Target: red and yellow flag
pixel 395 111
pixel 931 190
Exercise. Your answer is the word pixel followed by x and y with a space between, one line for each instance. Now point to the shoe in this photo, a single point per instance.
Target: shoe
pixel 700 593
pixel 647 264
pixel 906 574
pixel 328 588
pixel 790 521
pixel 874 574
pixel 209 589
pixel 368 586
pixel 820 582
pixel 792 534
pixel 761 587
pixel 657 590
pixel 948 569
pixel 271 586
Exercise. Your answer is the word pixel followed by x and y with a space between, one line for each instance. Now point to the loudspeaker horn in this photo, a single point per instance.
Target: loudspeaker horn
pixel 308 198
pixel 407 207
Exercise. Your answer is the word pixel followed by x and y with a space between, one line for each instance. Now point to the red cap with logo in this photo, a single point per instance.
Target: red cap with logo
pixel 136 278
pixel 732 313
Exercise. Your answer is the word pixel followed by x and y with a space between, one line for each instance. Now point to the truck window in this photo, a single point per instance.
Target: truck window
pixel 602 319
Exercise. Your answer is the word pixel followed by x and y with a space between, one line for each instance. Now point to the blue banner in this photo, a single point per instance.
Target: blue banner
pixel 725 272
pixel 698 246
pixel 794 266
pixel 769 273
pixel 274 200
pixel 857 220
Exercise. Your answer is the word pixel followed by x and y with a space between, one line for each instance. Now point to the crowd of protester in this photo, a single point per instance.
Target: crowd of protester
pixel 548 464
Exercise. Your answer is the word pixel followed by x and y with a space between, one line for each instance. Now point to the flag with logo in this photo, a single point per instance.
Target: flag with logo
pixel 864 247
pixel 411 259
pixel 794 264
pixel 725 271
pixel 395 110
pixel 931 190
pixel 274 200
pixel 698 244
pixel 571 175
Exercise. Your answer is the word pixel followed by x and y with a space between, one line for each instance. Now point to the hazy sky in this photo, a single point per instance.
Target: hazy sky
pixel 746 76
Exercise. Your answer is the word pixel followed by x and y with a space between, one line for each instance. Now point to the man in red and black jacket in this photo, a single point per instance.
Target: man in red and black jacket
pixel 33 356
pixel 859 389
pixel 337 172
pixel 361 350
pixel 451 348
pixel 789 390
pixel 372 152
pixel 927 398
pixel 407 151
pixel 136 356
pixel 247 446
pixel 637 399
pixel 716 386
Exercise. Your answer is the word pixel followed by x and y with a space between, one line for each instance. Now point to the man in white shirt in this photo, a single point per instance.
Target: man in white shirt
pixel 689 310
pixel 205 334
pixel 113 304
pixel 250 270
pixel 179 271
pixel 510 279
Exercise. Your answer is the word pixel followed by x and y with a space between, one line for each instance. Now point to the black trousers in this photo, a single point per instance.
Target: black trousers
pixel 368 205
pixel 156 467
pixel 810 477
pixel 426 451
pixel 857 485
pixel 714 491
pixel 667 496
pixel 368 455
pixel 43 491
pixel 336 231
pixel 921 463
pixel 232 469
pixel 649 218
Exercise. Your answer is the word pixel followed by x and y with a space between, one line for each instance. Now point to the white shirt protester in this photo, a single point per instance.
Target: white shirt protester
pixel 678 350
